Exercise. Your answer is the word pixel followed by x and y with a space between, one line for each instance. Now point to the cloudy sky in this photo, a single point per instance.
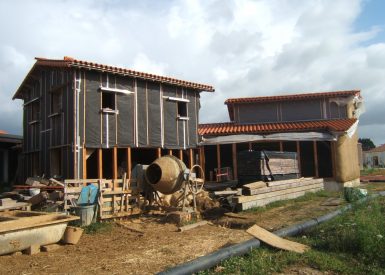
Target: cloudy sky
pixel 242 48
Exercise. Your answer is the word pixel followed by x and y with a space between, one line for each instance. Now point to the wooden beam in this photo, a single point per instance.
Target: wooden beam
pixel 315 158
pixel 218 157
pixel 129 163
pixel 191 157
pixel 181 154
pixel 281 146
pixel 333 155
pixel 158 152
pixel 84 156
pixel 170 152
pixel 115 163
pixel 235 163
pixel 202 159
pixel 100 163
pixel 299 157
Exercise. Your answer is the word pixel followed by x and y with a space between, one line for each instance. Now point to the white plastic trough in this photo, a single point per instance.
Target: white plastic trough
pixel 20 230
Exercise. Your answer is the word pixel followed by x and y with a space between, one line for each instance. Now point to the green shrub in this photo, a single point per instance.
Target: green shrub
pixel 97 227
pixel 359 232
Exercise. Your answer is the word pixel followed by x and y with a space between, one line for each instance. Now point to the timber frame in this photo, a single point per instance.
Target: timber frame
pixel 87 120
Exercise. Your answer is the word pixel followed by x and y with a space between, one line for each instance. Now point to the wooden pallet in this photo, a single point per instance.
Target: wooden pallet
pixel 117 198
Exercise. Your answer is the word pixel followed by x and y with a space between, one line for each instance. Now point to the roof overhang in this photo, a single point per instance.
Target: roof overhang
pixel 69 62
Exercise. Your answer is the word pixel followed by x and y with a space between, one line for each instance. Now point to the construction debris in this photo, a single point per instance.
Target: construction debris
pixel 275 241
pixel 191 226
pixel 140 232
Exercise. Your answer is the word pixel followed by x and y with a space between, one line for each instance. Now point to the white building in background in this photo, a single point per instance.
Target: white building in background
pixel 375 157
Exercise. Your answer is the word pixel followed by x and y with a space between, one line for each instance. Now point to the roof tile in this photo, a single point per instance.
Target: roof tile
pixel 292 97
pixel 226 128
pixel 72 62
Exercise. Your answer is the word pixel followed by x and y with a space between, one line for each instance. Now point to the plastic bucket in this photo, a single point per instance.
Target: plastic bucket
pixel 86 213
pixel 72 235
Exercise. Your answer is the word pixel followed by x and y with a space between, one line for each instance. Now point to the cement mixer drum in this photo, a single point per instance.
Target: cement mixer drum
pixel 166 174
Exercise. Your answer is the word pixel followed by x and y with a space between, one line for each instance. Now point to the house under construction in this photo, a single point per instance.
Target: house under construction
pixel 319 127
pixel 87 120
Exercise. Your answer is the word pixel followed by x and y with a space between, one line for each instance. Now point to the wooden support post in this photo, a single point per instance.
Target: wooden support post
pixel 115 163
pixel 281 146
pixel 84 156
pixel 191 157
pixel 129 164
pixel 235 163
pixel 181 154
pixel 299 157
pixel 202 160
pixel 100 163
pixel 218 158
pixel 333 155
pixel 250 146
pixel 158 152
pixel 315 158
pixel 170 152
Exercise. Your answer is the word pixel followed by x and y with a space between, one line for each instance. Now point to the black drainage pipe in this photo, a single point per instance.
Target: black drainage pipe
pixel 214 258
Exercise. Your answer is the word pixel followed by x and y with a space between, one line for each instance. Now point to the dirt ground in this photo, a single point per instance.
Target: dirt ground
pixel 121 251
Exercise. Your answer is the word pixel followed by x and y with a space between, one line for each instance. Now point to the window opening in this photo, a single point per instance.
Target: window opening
pixel 108 101
pixel 182 109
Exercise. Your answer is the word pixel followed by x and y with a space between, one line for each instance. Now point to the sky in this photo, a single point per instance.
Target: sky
pixel 241 47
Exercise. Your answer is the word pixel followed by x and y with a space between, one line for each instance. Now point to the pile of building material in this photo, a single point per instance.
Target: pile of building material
pixel 261 193
pixel 42 194
pixel 28 231
pixel 266 166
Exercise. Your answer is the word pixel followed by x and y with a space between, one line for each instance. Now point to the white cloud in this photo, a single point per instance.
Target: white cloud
pixel 242 47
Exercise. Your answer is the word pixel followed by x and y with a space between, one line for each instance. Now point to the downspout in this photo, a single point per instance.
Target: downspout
pixel 214 258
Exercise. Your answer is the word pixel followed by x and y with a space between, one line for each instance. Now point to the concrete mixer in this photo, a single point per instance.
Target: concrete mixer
pixel 169 175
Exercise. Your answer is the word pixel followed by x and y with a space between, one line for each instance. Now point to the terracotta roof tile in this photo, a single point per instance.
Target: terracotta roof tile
pixel 292 97
pixel 68 62
pixel 303 96
pixel 72 62
pixel 380 148
pixel 227 128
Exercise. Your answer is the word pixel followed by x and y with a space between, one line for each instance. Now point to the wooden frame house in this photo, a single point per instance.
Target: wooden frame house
pixel 87 120
pixel 319 127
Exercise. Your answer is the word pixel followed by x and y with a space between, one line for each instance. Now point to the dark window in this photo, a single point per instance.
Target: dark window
pixel 35 111
pixel 56 99
pixel 182 109
pixel 108 101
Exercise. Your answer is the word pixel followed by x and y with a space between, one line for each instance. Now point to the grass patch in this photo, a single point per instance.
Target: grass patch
pixel 372 171
pixel 307 197
pixel 98 227
pixel 353 243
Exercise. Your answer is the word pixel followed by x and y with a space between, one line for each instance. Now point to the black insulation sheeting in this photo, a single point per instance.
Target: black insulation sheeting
pixel 154 114
pixel 125 118
pixel 169 118
pixel 149 103
pixel 92 112
pixel 142 113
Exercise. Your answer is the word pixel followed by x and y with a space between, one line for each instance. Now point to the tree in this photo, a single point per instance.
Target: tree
pixel 367 143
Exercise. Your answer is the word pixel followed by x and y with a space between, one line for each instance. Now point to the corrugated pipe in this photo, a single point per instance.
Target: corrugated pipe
pixel 214 258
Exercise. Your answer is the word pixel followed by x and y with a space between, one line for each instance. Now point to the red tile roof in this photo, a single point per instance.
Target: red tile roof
pixel 378 149
pixel 67 62
pixel 303 96
pixel 230 128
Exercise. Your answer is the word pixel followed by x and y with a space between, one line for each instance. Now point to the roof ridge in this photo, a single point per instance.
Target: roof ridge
pixel 304 94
